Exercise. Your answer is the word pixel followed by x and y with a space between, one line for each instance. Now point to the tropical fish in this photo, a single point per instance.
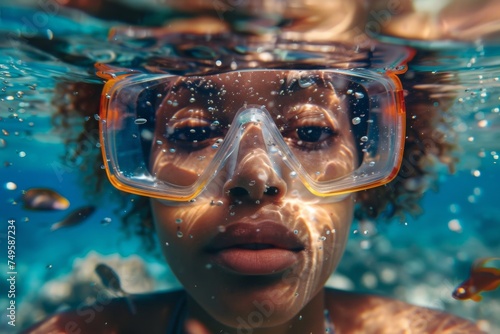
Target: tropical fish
pixel 44 199
pixel 481 279
pixel 111 280
pixel 74 218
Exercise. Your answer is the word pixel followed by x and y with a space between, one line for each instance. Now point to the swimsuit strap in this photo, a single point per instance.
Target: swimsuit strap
pixel 177 317
pixel 329 327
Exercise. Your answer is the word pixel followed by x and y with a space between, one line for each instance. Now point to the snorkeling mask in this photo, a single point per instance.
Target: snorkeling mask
pixel 330 131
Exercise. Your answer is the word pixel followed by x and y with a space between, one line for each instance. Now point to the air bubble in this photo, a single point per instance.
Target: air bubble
pixel 482 124
pixel 251 183
pixel 356 120
pixel 365 244
pixel 359 95
pixel 293 174
pixel 105 221
pixel 192 100
pixel 222 228
pixel 178 221
pixel 10 186
pixel 140 121
pixel 454 208
pixel 22 154
pixel 364 139
pixel 455 226
pixel 180 234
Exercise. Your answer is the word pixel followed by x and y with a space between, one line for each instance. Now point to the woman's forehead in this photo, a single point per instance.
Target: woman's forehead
pixel 275 90
pixel 251 82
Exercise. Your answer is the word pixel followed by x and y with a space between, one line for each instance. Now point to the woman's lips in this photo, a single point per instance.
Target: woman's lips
pixel 256 249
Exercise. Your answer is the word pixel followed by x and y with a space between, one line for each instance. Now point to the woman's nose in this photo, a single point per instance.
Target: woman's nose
pixel 255 177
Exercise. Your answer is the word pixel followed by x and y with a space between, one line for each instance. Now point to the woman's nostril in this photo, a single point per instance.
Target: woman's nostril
pixel 242 192
pixel 271 191
pixel 238 192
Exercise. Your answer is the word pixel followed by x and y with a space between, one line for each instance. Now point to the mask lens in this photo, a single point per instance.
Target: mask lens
pixel 168 136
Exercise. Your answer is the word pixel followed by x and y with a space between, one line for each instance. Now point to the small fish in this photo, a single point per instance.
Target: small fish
pixel 111 280
pixel 481 279
pixel 44 199
pixel 74 218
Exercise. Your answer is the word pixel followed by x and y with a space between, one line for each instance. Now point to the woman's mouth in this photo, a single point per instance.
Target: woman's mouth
pixel 263 248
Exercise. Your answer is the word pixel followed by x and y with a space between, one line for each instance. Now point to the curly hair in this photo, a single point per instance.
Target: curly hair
pixel 429 143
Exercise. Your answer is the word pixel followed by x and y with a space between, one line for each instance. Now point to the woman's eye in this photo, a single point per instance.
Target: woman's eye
pixel 314 134
pixel 190 134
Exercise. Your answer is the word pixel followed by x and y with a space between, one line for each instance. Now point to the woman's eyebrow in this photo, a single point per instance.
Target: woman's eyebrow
pixel 294 84
pixel 199 86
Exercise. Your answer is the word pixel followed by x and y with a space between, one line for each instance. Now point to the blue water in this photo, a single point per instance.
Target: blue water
pixel 427 254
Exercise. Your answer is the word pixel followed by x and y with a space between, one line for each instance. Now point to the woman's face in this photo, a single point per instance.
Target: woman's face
pixel 255 240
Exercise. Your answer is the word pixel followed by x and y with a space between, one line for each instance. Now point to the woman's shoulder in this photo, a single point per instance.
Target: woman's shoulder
pixel 365 313
pixel 118 315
